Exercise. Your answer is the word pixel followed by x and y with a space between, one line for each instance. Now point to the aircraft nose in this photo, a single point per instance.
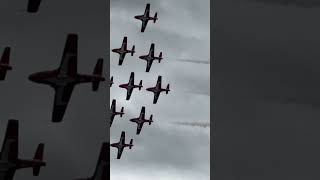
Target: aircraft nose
pixel 32 77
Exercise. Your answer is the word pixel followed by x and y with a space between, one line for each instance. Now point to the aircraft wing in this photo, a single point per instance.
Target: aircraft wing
pixel 131 79
pixel 151 50
pixel 155 97
pixel 149 64
pixel 139 127
pixel 61 100
pixel 144 25
pixel 121 58
pixel 120 150
pixel 103 160
pixel 9 149
pixel 113 105
pixel 68 64
pixel 147 10
pixel 33 6
pixel 159 82
pixel 129 92
pixel 7 175
pixel 123 137
pixel 143 112
pixel 124 43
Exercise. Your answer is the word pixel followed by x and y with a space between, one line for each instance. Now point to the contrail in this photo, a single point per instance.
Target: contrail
pixel 198 124
pixel 193 61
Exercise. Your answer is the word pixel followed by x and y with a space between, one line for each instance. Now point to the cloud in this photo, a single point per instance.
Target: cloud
pixel 194 61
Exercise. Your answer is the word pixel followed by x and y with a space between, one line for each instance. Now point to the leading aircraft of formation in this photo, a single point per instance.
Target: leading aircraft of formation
pixel 141 120
pixel 64 78
pixel 146 17
pixel 121 144
pixel 9 160
pixel 103 165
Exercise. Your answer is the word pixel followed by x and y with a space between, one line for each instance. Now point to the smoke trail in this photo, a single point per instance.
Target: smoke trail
pixel 196 124
pixel 193 61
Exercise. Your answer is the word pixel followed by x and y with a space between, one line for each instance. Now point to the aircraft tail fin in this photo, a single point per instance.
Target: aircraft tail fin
pixel 98 72
pixel 167 89
pixel 155 18
pixel 133 50
pixel 121 112
pixel 160 57
pixel 131 144
pixel 38 157
pixel 140 85
pixel 5 56
pixel 151 119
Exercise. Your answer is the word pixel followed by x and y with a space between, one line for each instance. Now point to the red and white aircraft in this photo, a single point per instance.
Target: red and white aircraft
pixel 103 165
pixel 9 160
pixel 141 120
pixel 121 144
pixel 4 63
pixel 113 111
pixel 123 51
pixel 146 17
pixel 150 57
pixel 157 90
pixel 64 79
pixel 130 86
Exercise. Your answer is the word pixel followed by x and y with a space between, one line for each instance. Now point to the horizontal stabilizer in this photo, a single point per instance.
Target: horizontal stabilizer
pixel 168 89
pixel 155 18
pixel 131 144
pixel 38 156
pixel 133 50
pixel 140 85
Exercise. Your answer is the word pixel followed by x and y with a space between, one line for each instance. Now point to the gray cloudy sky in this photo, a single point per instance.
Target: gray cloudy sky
pixel 267 98
pixel 164 150
pixel 37 41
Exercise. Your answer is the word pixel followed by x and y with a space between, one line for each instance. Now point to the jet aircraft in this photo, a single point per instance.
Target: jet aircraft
pixel 157 89
pixel 130 86
pixel 9 160
pixel 121 144
pixel 33 6
pixel 4 63
pixel 150 57
pixel 113 111
pixel 141 120
pixel 122 51
pixel 146 17
pixel 103 165
pixel 64 78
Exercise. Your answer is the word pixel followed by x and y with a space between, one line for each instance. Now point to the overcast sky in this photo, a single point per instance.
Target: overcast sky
pixel 267 98
pixel 167 149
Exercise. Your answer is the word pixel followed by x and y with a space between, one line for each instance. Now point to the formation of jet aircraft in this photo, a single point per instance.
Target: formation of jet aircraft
pixel 9 160
pixel 149 58
pixel 122 144
pixel 65 77
pixel 4 63
pixel 146 17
